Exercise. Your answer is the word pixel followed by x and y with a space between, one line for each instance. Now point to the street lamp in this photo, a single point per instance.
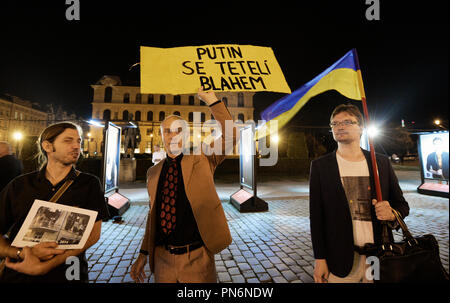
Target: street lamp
pixel 275 139
pixel 88 144
pixel 439 123
pixel 151 142
pixel 17 137
pixel 373 131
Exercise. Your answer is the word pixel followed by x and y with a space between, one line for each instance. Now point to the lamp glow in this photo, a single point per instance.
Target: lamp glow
pixel 95 123
pixel 373 131
pixel 17 136
pixel 275 139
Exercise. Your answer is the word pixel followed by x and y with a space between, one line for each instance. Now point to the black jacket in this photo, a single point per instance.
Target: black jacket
pixel 330 218
pixel 10 167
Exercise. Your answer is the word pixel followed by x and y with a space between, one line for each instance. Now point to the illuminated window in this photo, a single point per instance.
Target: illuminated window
pixel 106 115
pixel 126 98
pixel 240 100
pixel 108 94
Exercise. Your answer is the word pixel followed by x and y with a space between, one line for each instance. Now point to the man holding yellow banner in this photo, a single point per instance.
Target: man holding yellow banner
pixel 186 224
pixel 181 70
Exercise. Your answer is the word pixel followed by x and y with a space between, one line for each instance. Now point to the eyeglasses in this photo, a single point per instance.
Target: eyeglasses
pixel 343 123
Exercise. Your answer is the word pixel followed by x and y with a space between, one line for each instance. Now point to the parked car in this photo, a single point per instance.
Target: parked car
pixel 410 157
pixel 395 158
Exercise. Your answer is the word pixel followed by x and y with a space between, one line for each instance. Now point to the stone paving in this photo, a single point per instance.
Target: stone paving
pixel 273 246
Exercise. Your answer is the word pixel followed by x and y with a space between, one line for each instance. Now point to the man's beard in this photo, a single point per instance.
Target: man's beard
pixel 70 162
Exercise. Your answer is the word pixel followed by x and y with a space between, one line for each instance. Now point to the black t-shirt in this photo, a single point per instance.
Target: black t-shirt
pixel 17 198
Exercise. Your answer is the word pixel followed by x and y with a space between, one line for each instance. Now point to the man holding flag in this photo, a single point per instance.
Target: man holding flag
pixel 343 212
pixel 347 199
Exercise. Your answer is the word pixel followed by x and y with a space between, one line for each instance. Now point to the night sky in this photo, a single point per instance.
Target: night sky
pixel 404 57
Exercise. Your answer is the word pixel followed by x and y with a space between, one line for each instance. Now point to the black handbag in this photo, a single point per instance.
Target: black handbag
pixel 411 260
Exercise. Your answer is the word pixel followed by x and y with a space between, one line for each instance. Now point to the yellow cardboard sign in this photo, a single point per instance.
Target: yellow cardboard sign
pixel 182 70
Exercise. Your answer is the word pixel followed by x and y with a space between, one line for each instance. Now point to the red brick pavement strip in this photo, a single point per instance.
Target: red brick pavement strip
pixel 273 246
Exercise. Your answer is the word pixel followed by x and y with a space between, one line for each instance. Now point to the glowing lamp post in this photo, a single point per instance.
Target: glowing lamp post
pixel 439 123
pixel 88 144
pixel 373 131
pixel 17 137
pixel 275 139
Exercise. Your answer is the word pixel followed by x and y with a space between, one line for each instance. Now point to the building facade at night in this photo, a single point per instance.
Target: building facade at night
pixel 118 103
pixel 20 116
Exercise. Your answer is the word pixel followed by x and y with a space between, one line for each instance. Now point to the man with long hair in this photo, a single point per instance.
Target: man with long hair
pixel 60 147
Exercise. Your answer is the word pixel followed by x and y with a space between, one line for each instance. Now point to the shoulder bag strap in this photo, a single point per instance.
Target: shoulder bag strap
pixel 63 188
pixel 406 233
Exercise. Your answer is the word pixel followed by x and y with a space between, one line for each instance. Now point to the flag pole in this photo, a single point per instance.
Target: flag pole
pixel 366 116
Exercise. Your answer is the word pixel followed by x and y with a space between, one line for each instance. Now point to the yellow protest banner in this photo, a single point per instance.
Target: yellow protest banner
pixel 182 70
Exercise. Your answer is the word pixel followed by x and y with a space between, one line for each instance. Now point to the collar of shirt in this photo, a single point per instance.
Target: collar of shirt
pixel 177 158
pixel 71 175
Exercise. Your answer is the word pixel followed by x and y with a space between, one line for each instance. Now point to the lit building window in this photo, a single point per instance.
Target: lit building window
pixel 138 98
pixel 108 94
pixel 106 115
pixel 126 98
pixel 240 100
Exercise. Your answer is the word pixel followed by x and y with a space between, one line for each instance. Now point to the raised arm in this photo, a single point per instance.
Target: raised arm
pixel 221 115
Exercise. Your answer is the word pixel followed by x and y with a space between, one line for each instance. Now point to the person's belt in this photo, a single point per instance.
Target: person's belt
pixel 179 250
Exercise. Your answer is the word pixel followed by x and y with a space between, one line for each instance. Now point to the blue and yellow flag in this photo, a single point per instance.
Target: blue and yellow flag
pixel 341 76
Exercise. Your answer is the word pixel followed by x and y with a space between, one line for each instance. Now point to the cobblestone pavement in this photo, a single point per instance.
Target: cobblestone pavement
pixel 273 246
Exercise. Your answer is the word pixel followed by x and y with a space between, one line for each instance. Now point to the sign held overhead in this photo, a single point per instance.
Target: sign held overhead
pixel 182 70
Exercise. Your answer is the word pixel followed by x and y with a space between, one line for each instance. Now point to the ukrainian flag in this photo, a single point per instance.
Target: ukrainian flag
pixel 343 76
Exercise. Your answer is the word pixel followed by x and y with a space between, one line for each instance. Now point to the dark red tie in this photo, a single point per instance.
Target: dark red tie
pixel 169 197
